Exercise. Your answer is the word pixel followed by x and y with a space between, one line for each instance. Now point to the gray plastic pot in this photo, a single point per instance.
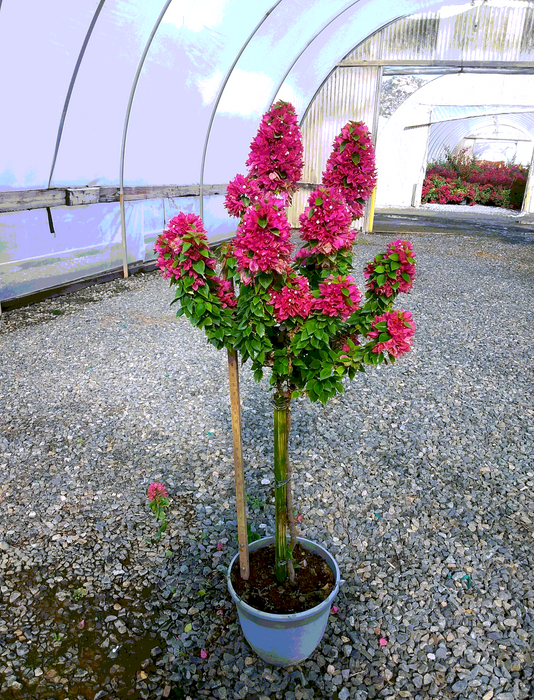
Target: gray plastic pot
pixel 284 640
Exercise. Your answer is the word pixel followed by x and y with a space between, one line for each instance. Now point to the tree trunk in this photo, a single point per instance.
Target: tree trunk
pixel 281 435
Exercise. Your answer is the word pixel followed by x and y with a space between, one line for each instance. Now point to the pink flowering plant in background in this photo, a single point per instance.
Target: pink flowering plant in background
pixel 300 315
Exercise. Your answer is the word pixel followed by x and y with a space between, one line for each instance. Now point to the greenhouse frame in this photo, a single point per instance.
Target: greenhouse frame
pixel 125 112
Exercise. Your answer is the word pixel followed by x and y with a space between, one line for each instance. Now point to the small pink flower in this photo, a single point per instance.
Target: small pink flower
pixel 295 299
pixel 185 230
pixel 204 654
pixel 220 612
pixel 397 337
pixel 334 609
pixel 405 272
pixel 299 518
pixel 156 490
pixel 220 546
pixel 225 292
pixel 275 159
pixel 333 302
pixel 383 641
pixel 240 194
pixel 81 624
pixel 263 239
pixel 351 166
pixel 325 223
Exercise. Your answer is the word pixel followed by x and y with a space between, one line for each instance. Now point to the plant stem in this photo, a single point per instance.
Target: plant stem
pixel 281 434
pixel 290 519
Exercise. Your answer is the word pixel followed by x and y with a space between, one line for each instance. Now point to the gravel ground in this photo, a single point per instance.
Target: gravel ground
pixel 472 209
pixel 419 479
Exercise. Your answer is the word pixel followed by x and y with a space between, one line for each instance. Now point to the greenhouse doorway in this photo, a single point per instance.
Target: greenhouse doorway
pixel 492 40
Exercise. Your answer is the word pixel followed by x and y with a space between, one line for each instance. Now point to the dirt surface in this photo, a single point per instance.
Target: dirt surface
pixel 314 582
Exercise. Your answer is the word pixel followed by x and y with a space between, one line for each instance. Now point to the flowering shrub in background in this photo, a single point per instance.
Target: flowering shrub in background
pixel 459 178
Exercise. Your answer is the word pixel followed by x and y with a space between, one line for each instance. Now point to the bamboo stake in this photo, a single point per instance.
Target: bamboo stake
pixel 235 402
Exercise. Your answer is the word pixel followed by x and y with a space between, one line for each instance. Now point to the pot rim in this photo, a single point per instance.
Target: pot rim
pixel 286 616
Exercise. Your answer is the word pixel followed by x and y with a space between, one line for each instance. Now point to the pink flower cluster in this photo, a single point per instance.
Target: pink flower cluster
pixel 326 221
pixel 400 327
pixel 334 300
pixel 398 252
pixel 351 166
pixel 295 299
pixel 240 194
pixel 157 490
pixel 262 242
pixel 185 234
pixel 275 158
pixel 225 292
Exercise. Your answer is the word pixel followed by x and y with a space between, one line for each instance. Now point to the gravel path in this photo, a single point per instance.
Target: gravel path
pixel 471 209
pixel 419 479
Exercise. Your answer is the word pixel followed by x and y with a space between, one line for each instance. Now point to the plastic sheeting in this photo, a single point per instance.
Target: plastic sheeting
pixel 68 77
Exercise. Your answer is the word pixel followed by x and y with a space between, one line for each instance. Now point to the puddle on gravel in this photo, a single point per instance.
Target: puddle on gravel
pixel 75 652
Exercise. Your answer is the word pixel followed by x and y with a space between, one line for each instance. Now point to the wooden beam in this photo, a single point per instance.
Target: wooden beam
pixel 28 199
pixel 23 200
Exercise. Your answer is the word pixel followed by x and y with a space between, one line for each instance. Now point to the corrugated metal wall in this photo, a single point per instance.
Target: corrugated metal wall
pixel 349 93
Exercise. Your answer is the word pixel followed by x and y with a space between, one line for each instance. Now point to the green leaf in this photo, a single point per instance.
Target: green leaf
pixel 406 277
pixel 318 201
pixel 188 627
pixel 262 222
pixel 384 337
pixel 380 280
pixel 199 266
pixel 345 291
pixel 185 247
pixel 311 212
pixel 379 269
pixel 355 157
pixel 343 146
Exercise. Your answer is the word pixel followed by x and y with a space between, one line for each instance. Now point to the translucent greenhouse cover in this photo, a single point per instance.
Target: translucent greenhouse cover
pixel 197 74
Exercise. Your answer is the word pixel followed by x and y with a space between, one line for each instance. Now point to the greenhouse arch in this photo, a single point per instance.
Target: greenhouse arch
pixel 126 111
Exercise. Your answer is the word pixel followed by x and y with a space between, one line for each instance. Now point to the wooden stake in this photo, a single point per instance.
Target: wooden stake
pixel 235 403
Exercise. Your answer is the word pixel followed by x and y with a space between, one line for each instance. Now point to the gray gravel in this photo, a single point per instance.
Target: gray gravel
pixel 498 212
pixel 419 479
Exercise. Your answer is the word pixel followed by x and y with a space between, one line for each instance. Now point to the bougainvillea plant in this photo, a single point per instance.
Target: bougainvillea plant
pixel 299 315
pixel 459 178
